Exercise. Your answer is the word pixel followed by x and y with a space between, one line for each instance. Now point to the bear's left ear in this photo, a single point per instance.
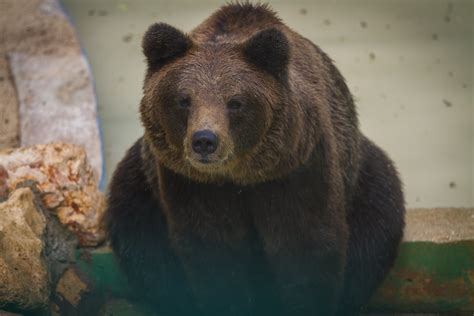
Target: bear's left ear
pixel 162 42
pixel 269 50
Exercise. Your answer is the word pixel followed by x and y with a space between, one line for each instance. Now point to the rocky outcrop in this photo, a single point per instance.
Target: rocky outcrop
pixel 24 279
pixel 66 185
pixel 45 80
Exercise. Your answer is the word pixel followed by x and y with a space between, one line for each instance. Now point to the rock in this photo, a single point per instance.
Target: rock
pixel 57 105
pixel 66 184
pixel 45 80
pixel 75 294
pixel 24 281
pixel 3 184
pixel 60 242
pixel 70 287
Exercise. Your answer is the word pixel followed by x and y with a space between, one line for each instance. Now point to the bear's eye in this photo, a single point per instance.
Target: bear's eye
pixel 184 102
pixel 234 105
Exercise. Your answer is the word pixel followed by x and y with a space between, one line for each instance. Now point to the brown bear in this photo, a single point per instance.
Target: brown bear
pixel 252 190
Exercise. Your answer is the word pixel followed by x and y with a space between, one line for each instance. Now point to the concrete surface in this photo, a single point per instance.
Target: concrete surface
pixel 440 225
pixel 408 63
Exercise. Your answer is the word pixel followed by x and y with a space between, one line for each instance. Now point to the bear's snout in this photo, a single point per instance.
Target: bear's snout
pixel 204 142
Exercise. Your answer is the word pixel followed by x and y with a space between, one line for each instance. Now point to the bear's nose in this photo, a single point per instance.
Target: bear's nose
pixel 204 142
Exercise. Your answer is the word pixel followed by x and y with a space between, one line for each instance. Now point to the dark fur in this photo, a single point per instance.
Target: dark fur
pixel 302 215
pixel 162 43
pixel 269 51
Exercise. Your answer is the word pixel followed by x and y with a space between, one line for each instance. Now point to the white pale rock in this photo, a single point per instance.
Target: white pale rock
pixel 57 102
pixel 66 182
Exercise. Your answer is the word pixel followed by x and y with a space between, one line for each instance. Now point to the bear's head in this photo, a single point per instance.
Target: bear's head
pixel 215 110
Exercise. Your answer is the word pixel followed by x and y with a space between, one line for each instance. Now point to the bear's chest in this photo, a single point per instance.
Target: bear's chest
pixel 231 215
pixel 211 214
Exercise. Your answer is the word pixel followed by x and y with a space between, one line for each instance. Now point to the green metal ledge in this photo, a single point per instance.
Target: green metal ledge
pixel 434 272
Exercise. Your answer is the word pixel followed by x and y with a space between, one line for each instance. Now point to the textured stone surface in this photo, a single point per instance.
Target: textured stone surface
pixel 24 281
pixel 440 225
pixel 9 120
pixel 71 288
pixel 66 183
pixel 57 102
pixel 3 183
pixel 46 90
pixel 75 294
pixel 29 28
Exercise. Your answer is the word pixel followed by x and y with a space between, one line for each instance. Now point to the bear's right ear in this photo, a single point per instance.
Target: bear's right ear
pixel 163 42
pixel 270 51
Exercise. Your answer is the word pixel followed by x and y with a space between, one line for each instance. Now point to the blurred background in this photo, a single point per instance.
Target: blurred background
pixel 409 65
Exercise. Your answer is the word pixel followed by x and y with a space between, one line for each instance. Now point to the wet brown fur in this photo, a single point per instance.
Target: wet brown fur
pixel 320 100
pixel 295 197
